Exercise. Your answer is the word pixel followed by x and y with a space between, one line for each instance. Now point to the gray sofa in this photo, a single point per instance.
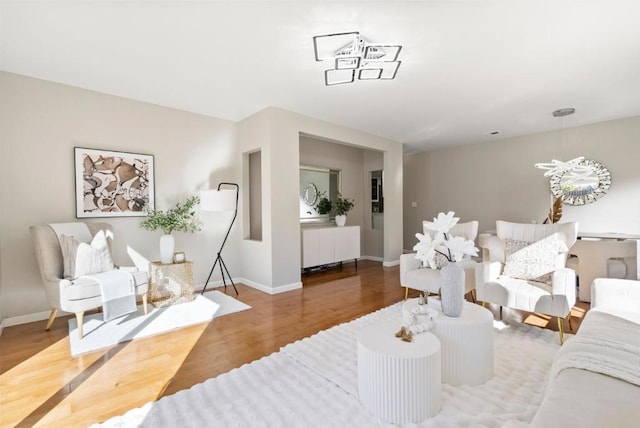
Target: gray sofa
pixel 587 386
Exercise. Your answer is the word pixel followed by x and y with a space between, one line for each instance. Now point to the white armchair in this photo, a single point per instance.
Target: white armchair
pixel 526 269
pixel 412 275
pixel 77 295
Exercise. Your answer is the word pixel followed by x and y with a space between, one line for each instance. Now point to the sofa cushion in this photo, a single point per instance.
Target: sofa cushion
pixel 575 388
pixel 533 261
pixel 579 398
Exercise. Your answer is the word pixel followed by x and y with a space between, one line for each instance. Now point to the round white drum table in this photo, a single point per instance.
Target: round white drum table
pixel 398 381
pixel 467 342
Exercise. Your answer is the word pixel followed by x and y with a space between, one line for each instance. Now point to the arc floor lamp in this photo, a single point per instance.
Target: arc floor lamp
pixel 221 200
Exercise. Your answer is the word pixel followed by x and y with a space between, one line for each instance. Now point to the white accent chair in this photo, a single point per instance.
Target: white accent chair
pixel 492 286
pixel 78 295
pixel 413 275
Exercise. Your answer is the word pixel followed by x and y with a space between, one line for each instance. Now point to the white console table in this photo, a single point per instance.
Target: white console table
pixel 325 245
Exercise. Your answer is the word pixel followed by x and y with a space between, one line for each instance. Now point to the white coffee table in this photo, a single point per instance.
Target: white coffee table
pixel 398 381
pixel 467 342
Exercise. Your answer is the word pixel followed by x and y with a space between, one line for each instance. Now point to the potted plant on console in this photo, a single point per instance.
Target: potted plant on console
pixel 180 218
pixel 324 205
pixel 342 207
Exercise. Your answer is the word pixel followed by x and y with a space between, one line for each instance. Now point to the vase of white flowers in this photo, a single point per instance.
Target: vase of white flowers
pixel 442 251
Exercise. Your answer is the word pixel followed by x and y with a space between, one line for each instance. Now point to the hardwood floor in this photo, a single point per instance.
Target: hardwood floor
pixel 41 384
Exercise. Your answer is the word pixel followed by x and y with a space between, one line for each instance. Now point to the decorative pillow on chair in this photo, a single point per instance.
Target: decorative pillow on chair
pixel 533 261
pixel 80 258
pixel 439 260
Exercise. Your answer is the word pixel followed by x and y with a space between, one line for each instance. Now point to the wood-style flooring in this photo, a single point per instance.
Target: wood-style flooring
pixel 41 384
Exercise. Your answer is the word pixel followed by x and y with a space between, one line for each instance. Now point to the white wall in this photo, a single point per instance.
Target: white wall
pixel 256 261
pixel 497 180
pixel 43 121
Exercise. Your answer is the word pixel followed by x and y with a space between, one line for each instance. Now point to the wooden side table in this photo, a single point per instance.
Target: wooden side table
pixel 170 284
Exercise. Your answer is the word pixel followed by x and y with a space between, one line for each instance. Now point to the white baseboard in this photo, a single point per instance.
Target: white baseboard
pixel 287 287
pixel 260 287
pixel 270 290
pixel 1 326
pixel 23 319
pixel 372 258
pixel 391 263
pixel 212 285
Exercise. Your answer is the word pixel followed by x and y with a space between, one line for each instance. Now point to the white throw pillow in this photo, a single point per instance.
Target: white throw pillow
pixel 533 261
pixel 80 258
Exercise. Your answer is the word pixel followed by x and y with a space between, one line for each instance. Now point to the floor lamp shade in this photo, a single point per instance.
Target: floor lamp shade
pixel 218 200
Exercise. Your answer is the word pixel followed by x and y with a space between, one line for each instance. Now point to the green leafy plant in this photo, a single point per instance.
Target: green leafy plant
pixel 324 205
pixel 343 205
pixel 181 218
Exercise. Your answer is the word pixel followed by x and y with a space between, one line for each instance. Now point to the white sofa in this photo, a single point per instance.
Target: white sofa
pixel 581 397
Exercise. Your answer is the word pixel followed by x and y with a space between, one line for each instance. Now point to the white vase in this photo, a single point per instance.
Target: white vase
pixel 341 220
pixel 167 248
pixel 452 289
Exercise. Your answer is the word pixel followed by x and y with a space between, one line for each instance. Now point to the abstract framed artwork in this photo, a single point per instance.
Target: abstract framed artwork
pixel 113 184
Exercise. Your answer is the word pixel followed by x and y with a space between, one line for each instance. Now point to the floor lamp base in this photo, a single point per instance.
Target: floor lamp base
pixel 223 269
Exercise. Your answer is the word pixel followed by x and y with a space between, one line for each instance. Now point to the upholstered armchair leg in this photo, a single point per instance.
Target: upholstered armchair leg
pixel 473 295
pixel 484 304
pixel 406 292
pixel 52 317
pixel 144 303
pixel 560 331
pixel 500 313
pixel 569 320
pixel 79 319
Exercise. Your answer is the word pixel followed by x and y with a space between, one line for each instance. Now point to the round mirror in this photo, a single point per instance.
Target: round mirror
pixel 584 183
pixel 310 194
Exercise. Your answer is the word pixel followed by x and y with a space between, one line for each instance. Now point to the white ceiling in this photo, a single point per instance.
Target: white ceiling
pixel 468 67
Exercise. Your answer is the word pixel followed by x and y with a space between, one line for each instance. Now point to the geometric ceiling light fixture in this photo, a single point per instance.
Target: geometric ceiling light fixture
pixel 352 58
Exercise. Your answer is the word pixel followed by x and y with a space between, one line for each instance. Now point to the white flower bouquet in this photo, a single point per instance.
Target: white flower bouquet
pixel 442 245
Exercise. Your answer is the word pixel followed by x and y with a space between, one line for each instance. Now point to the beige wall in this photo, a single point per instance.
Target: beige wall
pixel 43 121
pixel 497 180
pixel 373 238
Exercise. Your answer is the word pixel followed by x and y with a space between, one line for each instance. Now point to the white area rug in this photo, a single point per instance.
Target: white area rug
pixel 313 382
pixel 99 335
